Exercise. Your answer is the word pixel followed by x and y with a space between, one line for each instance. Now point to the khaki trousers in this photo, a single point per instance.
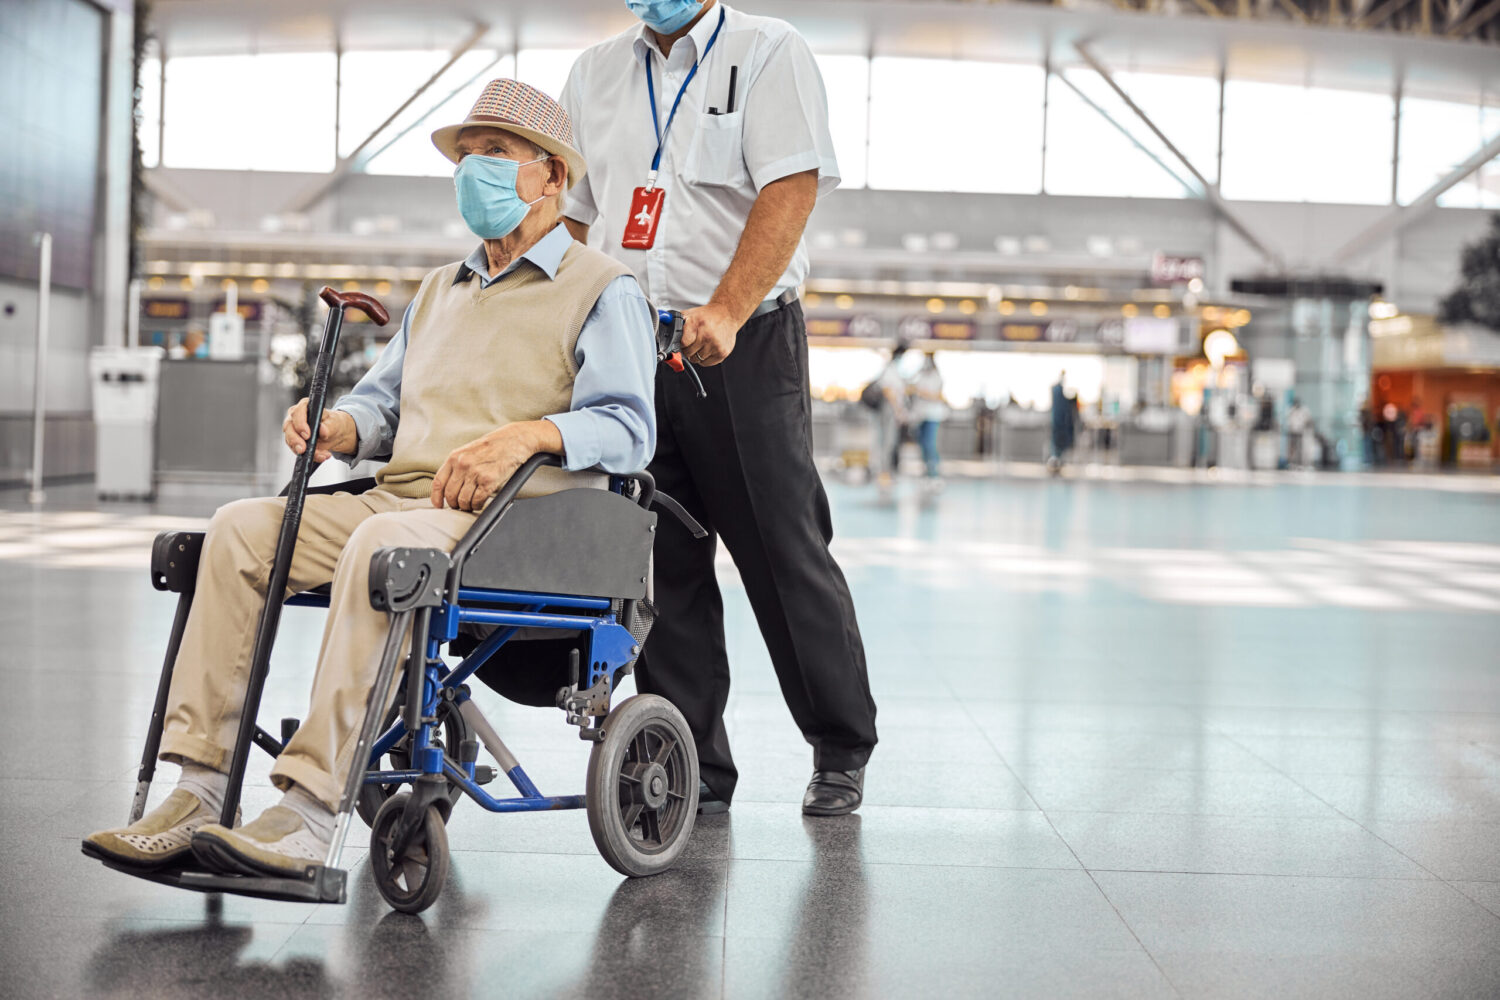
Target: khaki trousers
pixel 338 535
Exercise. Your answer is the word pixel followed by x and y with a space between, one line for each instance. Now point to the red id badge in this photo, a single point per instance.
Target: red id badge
pixel 645 213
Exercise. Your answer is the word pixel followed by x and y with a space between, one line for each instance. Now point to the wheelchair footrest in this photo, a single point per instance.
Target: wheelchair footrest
pixel 318 885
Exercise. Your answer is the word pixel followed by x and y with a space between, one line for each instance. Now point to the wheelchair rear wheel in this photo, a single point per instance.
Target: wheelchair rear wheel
pixel 411 882
pixel 642 791
pixel 454 731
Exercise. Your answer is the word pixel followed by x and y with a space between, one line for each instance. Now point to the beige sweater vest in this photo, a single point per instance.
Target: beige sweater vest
pixel 480 358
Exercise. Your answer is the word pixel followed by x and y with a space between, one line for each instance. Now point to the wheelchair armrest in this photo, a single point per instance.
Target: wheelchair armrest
pixel 402 578
pixel 355 486
pixel 174 560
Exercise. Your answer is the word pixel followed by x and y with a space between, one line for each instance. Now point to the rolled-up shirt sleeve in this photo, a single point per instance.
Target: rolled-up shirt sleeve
pixel 786 118
pixel 611 425
pixel 375 401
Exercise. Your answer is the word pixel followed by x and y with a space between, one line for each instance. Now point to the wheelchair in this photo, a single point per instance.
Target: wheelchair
pixel 575 564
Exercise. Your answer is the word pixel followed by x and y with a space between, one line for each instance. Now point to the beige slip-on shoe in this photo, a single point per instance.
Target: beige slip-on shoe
pixel 277 843
pixel 161 838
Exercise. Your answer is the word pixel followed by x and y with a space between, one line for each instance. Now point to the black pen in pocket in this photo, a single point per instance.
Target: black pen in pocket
pixel 734 72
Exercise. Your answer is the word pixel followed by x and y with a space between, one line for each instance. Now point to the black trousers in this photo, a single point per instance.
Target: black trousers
pixel 741 462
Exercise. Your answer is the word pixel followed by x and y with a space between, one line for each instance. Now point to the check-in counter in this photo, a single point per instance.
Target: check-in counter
pixel 220 422
pixel 1025 442
pixel 1146 445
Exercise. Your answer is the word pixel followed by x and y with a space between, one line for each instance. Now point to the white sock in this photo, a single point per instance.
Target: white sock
pixel 318 817
pixel 206 783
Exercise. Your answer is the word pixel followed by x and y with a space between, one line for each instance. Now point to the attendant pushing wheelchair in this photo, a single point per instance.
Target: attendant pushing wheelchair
pixel 533 346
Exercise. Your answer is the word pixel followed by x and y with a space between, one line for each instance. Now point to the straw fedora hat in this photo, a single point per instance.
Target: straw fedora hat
pixel 517 107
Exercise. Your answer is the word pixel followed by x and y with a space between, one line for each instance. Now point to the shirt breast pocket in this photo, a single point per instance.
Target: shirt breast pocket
pixel 717 156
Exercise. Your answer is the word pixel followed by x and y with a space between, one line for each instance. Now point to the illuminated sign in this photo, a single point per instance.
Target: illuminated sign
pixel 828 328
pixel 165 308
pixel 1171 269
pixel 952 330
pixel 1023 331
pixel 250 311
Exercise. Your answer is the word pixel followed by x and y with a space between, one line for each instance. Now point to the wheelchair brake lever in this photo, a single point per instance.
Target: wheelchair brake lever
pixel 669 347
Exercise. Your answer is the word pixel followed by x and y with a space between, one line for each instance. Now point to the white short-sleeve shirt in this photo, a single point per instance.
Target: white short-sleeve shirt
pixel 713 165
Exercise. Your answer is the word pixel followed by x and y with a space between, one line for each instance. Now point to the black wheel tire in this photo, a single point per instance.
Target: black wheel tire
pixel 455 731
pixel 412 882
pixel 642 789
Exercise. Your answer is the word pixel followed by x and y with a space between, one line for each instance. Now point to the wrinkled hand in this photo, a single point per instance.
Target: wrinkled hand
pixel 471 474
pixel 708 334
pixel 336 432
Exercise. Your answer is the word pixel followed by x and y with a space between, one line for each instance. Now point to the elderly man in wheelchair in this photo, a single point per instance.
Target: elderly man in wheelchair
pixel 520 379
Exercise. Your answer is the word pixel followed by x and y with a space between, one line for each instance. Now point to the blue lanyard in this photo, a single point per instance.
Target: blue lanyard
pixel 661 135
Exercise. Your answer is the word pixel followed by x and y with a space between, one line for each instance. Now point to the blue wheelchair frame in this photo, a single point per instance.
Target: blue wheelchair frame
pixel 611 648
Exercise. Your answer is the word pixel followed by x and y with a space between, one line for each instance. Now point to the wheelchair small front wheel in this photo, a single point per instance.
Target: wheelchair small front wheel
pixel 411 881
pixel 454 731
pixel 642 791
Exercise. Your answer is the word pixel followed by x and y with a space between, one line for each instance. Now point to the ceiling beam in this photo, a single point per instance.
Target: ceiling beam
pixel 1210 191
pixel 345 166
pixel 1381 14
pixel 1397 219
pixel 1295 11
pixel 1476 20
pixel 1186 186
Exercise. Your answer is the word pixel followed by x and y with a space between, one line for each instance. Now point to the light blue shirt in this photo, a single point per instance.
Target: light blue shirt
pixel 612 423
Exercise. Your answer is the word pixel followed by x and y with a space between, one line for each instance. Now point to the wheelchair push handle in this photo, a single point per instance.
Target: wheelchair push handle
pixel 356 300
pixel 669 327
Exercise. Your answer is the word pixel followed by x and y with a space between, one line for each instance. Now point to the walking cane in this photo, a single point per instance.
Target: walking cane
pixel 286 543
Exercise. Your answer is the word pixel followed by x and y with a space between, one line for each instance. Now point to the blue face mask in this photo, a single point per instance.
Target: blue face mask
pixel 487 196
pixel 665 16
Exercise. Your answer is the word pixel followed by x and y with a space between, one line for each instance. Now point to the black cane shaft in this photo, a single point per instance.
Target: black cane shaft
pixel 281 568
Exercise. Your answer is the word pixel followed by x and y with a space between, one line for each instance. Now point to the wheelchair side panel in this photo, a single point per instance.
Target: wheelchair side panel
pixel 578 542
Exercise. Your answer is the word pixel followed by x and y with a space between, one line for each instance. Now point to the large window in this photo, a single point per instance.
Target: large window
pixel 1090 153
pixel 376 83
pixel 847 80
pixel 257 112
pixel 546 69
pixel 1437 136
pixel 955 125
pixel 148 122
pixel 1289 143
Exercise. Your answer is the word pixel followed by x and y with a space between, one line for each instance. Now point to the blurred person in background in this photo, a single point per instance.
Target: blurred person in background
pixel 1064 424
pixel 1298 423
pixel 930 410
pixel 728 111
pixel 886 399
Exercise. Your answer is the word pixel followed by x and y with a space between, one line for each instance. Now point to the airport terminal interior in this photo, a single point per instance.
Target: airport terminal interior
pixel 1153 378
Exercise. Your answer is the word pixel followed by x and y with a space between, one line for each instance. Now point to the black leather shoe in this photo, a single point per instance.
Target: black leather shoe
pixel 834 793
pixel 710 804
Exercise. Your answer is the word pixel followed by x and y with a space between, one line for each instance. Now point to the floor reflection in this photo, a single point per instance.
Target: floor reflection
pixel 827 944
pixel 194 962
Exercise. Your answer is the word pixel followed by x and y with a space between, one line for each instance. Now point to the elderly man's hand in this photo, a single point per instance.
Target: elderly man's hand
pixel 708 334
pixel 336 432
pixel 471 474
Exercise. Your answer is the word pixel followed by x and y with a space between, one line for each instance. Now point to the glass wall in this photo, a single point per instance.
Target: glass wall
pixel 1437 136
pixel 1294 143
pixel 955 125
pixel 847 81
pixel 405 147
pixel 897 123
pixel 251 112
pixel 1096 145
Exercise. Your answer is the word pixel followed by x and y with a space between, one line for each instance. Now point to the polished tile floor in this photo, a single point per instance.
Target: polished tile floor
pixel 1139 738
